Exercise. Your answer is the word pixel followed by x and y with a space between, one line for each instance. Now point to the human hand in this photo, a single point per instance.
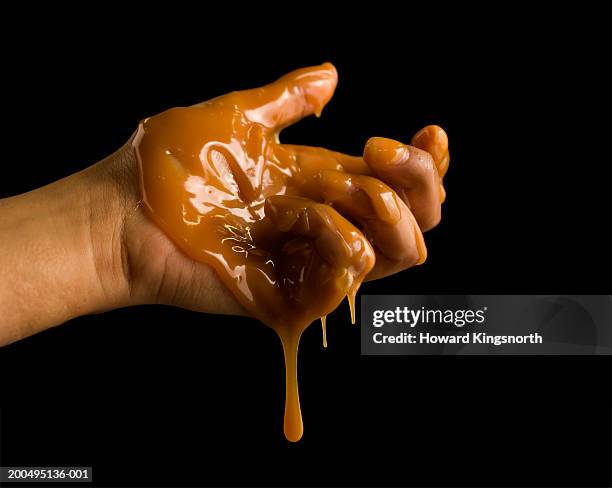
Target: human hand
pixel 84 244
pixel 229 196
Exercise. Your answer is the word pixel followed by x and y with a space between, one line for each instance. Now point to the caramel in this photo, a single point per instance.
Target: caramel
pixel 284 226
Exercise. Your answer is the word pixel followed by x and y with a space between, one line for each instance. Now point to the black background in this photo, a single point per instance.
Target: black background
pixel 160 396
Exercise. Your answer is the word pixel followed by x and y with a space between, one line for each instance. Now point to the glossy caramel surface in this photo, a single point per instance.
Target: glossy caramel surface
pixel 283 226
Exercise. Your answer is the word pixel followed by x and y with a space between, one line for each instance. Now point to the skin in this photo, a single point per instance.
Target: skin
pixel 84 244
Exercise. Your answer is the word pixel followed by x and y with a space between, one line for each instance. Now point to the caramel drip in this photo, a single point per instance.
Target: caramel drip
pixel 324 329
pixel 293 425
pixel 351 301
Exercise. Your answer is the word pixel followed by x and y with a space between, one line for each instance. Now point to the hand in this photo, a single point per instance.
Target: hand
pixel 85 243
pixel 222 187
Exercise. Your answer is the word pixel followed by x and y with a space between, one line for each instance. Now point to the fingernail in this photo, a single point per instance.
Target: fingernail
pixel 381 151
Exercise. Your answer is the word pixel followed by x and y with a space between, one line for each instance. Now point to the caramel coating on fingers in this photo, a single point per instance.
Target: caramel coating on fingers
pixel 415 172
pixel 434 140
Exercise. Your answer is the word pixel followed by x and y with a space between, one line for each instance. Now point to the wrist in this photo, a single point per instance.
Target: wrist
pixel 62 252
pixel 112 198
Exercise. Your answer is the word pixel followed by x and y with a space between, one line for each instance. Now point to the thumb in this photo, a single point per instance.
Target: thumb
pixel 290 98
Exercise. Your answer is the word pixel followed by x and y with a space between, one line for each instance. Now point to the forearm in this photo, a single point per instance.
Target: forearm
pixel 61 253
